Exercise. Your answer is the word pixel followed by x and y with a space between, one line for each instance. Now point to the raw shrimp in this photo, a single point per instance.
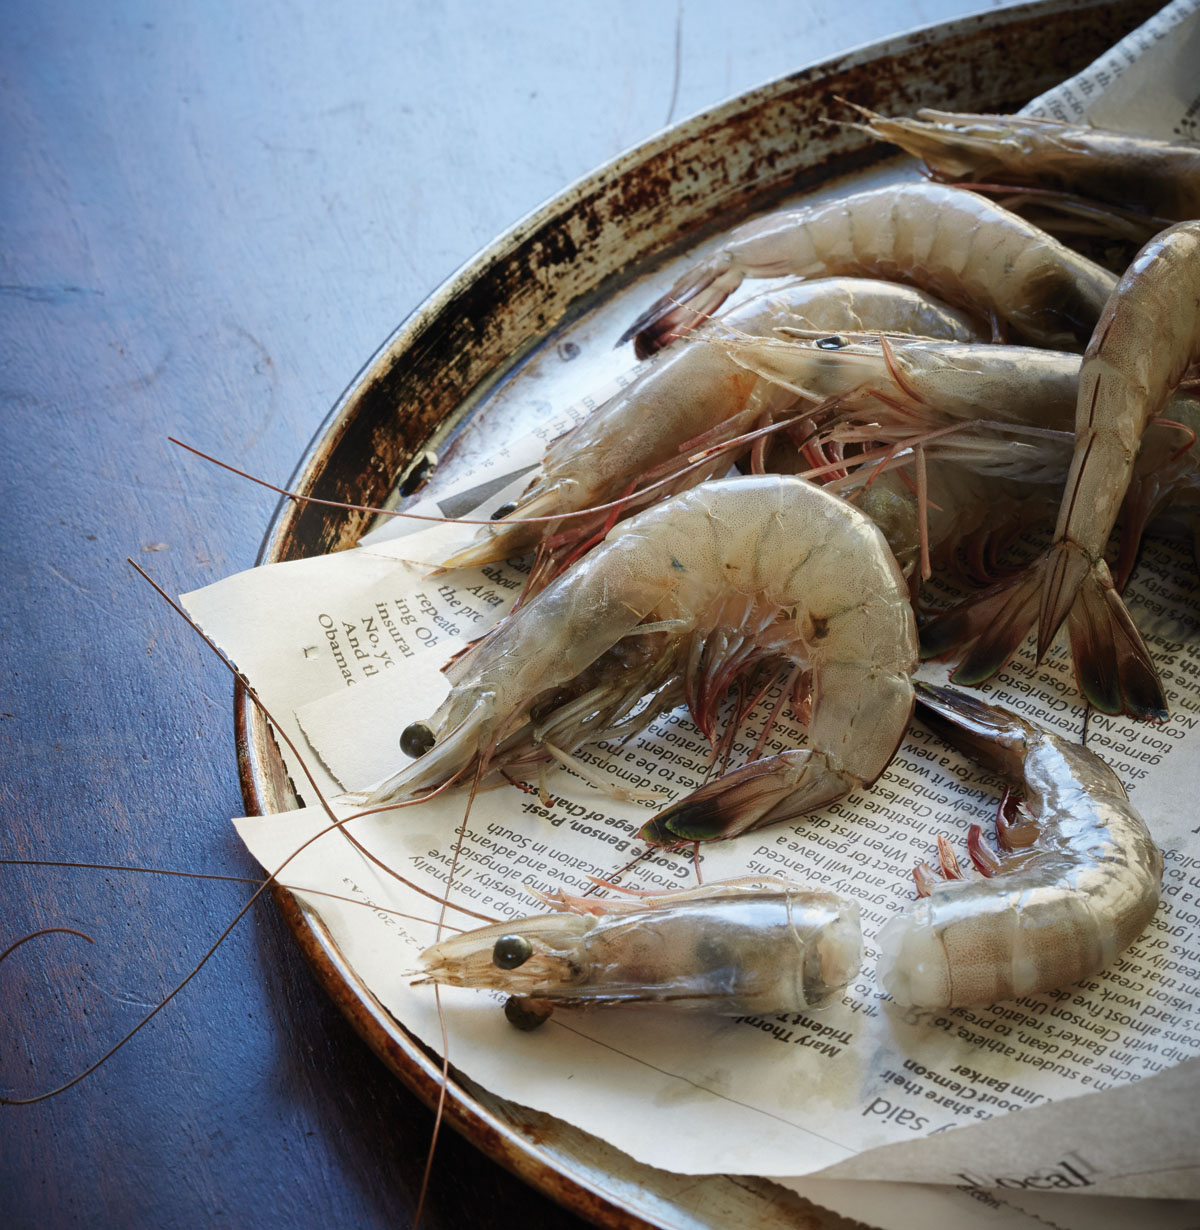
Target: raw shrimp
pixel 1077 881
pixel 917 385
pixel 1143 346
pixel 643 431
pixel 733 947
pixel 739 581
pixel 1133 172
pixel 925 384
pixel 946 240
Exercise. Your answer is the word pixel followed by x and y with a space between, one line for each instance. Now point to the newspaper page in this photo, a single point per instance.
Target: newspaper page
pixel 346 651
pixel 1149 83
pixel 810 1090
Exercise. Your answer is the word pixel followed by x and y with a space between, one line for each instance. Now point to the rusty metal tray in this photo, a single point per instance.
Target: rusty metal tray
pixel 549 290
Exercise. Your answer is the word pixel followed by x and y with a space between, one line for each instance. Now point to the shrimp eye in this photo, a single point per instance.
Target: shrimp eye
pixel 416 739
pixel 510 951
pixel 503 511
pixel 527 1014
pixel 833 342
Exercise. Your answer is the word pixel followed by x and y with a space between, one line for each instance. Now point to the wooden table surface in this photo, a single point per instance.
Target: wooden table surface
pixel 212 214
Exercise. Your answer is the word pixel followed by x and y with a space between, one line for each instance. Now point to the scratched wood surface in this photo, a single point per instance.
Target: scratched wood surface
pixel 211 215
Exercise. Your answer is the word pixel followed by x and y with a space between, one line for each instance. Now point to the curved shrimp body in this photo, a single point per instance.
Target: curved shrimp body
pixel 1134 172
pixel 1146 341
pixel 1078 882
pixel 731 580
pixel 686 395
pixel 946 240
pixel 730 948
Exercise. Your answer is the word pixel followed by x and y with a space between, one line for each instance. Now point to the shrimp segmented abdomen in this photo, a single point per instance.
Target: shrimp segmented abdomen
pixel 1049 913
pixel 946 240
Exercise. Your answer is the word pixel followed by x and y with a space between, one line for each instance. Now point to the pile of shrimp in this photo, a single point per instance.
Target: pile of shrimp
pixel 925 369
pixel 944 375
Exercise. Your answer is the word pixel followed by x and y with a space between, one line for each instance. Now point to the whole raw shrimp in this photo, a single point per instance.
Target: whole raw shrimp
pixel 732 947
pixel 1158 178
pixel 947 240
pixel 643 433
pixel 1147 339
pixel 1076 882
pixel 739 581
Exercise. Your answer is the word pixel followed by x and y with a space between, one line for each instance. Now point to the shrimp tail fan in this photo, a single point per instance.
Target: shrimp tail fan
pixel 762 792
pixel 686 306
pixel 992 737
pixel 984 632
pixel 1112 664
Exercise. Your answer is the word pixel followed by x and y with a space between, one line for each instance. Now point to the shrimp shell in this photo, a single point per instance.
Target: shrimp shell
pixel 1057 909
pixel 731 579
pixel 946 240
pixel 731 948
pixel 1142 173
pixel 686 395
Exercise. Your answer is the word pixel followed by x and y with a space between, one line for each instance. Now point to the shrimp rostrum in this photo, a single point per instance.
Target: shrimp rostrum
pixel 730 948
pixel 1076 882
pixel 736 584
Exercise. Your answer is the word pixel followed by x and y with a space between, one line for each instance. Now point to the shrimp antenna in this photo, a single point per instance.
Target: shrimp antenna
pixel 440 1110
pixel 195 875
pixel 299 498
pixel 324 802
pixel 272 877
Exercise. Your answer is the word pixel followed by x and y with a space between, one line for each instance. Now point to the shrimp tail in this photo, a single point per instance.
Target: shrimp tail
pixel 689 303
pixel 1112 664
pixel 987 629
pixel 765 791
pixel 995 739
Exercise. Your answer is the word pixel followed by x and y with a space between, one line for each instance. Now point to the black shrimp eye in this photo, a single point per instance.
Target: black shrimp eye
pixel 503 511
pixel 416 739
pixel 511 951
pixel 833 342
